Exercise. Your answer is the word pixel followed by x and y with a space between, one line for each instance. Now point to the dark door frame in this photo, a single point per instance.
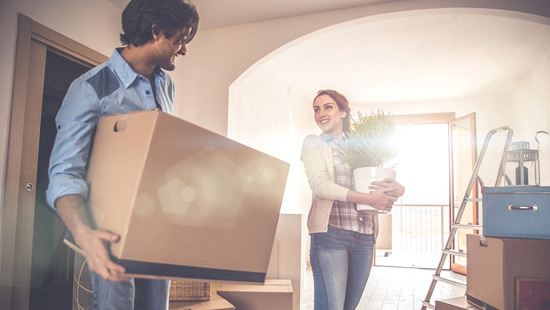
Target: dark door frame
pixel 33 41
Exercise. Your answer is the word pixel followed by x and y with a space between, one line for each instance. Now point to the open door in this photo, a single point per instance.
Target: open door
pixel 463 156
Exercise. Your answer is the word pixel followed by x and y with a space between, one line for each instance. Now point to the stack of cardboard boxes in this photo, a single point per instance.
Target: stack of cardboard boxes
pixel 509 266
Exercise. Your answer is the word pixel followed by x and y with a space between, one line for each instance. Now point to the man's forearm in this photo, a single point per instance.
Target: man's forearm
pixel 73 213
pixel 92 242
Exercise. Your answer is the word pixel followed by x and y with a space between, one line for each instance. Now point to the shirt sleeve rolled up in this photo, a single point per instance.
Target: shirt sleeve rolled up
pixel 76 122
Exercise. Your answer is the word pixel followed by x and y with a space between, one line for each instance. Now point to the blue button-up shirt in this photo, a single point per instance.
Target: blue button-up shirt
pixel 110 88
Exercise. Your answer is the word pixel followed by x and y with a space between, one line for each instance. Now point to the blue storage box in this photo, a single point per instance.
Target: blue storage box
pixel 516 212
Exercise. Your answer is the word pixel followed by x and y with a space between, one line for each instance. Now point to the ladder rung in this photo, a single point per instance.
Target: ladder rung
pixel 427 304
pixel 473 199
pixel 468 226
pixel 455 253
pixel 450 281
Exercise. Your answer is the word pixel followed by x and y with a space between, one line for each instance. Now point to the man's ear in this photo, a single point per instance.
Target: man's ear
pixel 343 114
pixel 156 32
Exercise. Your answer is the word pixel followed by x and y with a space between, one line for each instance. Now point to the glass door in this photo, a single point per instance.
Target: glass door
pixel 463 155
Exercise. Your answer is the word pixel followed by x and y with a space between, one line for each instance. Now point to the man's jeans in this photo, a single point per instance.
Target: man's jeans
pixel 341 261
pixel 138 294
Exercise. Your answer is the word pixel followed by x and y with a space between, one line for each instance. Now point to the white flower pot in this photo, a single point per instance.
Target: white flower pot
pixel 363 177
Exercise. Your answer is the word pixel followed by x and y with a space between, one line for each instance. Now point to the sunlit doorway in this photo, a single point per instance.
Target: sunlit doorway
pixel 418 226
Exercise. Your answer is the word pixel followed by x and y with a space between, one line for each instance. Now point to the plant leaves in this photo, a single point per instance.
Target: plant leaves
pixel 370 141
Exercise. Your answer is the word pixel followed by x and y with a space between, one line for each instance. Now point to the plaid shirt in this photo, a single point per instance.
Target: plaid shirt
pixel 343 214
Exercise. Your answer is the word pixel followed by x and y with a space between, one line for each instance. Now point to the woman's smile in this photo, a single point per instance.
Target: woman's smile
pixel 327 115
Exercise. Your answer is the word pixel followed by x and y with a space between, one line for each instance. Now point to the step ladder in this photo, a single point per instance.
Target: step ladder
pixel 447 251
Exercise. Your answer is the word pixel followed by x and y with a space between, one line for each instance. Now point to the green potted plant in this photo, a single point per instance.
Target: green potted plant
pixel 370 149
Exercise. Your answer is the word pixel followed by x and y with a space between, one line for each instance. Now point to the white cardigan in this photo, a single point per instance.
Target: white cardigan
pixel 317 158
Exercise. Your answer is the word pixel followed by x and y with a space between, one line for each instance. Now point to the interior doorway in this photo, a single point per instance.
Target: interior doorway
pixel 52 261
pixel 33 262
pixel 437 156
pixel 418 223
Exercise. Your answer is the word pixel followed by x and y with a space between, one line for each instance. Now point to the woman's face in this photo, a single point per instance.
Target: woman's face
pixel 328 115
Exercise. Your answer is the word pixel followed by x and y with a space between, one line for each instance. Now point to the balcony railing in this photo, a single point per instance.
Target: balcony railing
pixel 419 232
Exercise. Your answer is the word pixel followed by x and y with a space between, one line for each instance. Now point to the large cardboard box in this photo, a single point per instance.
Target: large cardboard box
pixel 494 264
pixel 215 303
pixel 187 202
pixel 272 295
pixel 457 303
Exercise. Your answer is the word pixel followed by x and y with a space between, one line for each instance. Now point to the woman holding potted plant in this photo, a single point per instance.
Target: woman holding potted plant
pixel 342 239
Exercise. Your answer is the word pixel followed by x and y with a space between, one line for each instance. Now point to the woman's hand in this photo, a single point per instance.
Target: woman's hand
pixel 378 199
pixel 389 186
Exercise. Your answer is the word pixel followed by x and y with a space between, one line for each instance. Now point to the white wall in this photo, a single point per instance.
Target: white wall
pixel 217 57
pixel 265 120
pixel 532 113
pixel 287 254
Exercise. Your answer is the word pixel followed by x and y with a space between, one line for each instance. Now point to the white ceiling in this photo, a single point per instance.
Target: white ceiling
pixel 412 58
pixel 223 13
pixel 432 57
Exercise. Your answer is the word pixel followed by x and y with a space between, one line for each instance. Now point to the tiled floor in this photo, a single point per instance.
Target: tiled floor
pixel 395 288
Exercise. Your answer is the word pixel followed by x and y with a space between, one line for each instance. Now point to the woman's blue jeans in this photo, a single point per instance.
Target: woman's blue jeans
pixel 136 294
pixel 341 261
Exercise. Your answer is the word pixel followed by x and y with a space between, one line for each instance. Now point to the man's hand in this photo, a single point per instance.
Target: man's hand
pixel 94 243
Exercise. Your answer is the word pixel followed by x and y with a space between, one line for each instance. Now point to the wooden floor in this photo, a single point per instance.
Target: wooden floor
pixel 395 288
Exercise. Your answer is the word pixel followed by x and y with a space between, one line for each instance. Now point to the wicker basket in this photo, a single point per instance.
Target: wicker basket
pixel 182 290
pixel 83 295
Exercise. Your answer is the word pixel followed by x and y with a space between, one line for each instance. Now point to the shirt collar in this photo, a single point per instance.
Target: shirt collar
pixel 330 139
pixel 126 74
pixel 325 136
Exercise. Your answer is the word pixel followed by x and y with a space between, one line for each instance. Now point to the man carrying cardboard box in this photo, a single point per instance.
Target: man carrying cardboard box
pixel 133 79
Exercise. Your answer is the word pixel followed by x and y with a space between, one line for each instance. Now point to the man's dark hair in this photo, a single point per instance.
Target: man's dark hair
pixel 141 18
